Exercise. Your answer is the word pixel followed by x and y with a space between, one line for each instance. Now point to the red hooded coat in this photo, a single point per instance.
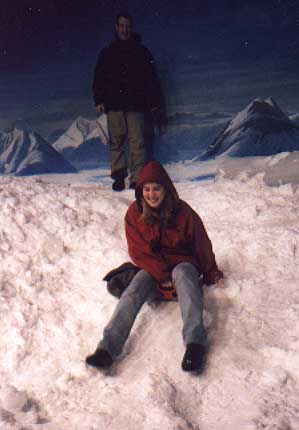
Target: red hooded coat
pixel 185 240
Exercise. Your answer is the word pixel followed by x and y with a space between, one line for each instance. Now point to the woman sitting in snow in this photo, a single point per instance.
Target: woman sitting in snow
pixel 168 241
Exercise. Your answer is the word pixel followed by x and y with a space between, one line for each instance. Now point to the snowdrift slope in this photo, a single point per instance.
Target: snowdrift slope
pixel 54 307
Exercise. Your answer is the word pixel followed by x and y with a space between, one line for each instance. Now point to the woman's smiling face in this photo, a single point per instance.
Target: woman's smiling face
pixel 153 194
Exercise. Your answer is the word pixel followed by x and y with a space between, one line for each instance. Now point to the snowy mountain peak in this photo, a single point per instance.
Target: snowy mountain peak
pixel 78 132
pixel 260 114
pixel 273 103
pixel 84 141
pixel 84 125
pixel 295 119
pixel 261 128
pixel 24 152
pixel 269 107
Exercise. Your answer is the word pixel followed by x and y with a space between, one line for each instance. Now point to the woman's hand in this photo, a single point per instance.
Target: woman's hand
pixel 214 277
pixel 167 284
pixel 220 283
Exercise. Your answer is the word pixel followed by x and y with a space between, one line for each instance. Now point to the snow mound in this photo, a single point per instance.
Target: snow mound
pixel 283 169
pixel 54 306
pixel 260 129
pixel 24 152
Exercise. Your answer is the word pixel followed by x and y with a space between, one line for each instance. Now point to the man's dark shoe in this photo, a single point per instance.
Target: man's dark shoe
pixel 133 185
pixel 100 358
pixel 118 185
pixel 194 358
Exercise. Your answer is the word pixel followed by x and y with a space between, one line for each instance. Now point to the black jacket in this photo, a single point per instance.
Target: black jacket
pixel 119 279
pixel 125 78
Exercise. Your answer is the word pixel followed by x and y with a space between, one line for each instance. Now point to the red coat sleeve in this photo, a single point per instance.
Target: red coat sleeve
pixel 139 248
pixel 202 248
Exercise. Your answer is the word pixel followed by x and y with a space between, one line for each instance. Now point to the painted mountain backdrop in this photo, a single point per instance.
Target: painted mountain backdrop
pixel 24 152
pixel 83 143
pixel 260 129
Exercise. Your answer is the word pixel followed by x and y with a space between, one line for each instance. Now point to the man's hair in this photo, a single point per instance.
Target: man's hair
pixel 124 15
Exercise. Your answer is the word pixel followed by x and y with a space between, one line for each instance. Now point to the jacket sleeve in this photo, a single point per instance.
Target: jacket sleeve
pixel 141 253
pixel 202 248
pixel 99 84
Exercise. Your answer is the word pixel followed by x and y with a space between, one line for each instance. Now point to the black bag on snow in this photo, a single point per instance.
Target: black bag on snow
pixel 118 279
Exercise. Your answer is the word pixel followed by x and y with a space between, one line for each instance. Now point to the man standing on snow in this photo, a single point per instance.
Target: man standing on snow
pixel 125 86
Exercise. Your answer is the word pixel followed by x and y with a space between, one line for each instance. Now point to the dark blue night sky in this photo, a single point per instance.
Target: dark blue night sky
pixel 215 55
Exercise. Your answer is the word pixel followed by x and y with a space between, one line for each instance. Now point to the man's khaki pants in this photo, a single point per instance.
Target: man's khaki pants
pixel 126 125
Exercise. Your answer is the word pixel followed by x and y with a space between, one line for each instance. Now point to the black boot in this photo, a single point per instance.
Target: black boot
pixel 100 358
pixel 119 184
pixel 194 358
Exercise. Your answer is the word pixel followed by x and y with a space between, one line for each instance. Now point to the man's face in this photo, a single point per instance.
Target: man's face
pixel 123 28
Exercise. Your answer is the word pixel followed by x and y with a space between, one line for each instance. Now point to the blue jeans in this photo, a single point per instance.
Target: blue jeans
pixel 142 287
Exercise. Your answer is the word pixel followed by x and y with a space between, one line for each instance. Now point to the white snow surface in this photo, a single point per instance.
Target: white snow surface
pixel 59 237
